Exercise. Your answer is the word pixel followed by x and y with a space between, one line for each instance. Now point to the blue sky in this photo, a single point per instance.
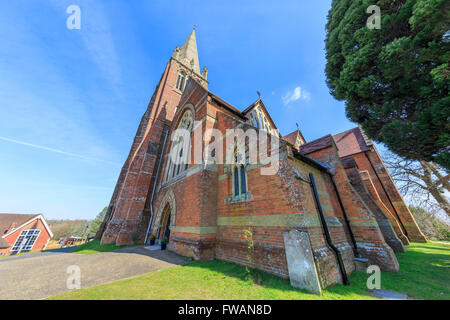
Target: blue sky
pixel 71 100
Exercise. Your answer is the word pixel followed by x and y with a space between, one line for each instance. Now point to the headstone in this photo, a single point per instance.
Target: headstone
pixel 300 260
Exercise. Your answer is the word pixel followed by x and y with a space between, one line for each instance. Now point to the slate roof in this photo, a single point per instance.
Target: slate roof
pixel 292 137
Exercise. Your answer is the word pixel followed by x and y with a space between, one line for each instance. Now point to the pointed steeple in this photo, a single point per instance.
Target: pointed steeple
pixel 188 54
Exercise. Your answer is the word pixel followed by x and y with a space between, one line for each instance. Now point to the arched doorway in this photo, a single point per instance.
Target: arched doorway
pixel 164 230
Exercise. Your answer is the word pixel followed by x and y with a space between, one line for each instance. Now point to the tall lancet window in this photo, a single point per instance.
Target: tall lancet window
pixel 239 175
pixel 181 146
pixel 236 181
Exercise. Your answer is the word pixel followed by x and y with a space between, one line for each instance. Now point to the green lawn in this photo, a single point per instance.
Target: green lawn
pixel 94 246
pixel 424 274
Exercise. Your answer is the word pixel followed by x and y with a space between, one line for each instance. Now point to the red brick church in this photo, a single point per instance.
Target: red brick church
pixel 330 205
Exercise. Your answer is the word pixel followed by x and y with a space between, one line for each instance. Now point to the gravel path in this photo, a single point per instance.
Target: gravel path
pixel 41 275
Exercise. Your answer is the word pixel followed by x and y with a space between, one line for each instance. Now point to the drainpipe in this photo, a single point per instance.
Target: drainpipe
pixel 347 222
pixel 154 185
pixel 387 195
pixel 327 233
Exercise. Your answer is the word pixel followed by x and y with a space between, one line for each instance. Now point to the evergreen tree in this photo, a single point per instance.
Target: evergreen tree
pixel 394 80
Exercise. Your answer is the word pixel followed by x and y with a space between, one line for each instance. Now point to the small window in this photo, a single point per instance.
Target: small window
pixel 181 81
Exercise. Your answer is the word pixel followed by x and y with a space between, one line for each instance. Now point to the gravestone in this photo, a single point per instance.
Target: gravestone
pixel 300 260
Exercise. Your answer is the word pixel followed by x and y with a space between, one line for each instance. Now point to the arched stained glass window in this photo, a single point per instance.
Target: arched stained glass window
pixel 181 146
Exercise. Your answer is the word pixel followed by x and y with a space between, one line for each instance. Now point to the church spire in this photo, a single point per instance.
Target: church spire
pixel 188 54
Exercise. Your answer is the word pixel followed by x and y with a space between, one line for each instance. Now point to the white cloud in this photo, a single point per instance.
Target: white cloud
pixel 296 94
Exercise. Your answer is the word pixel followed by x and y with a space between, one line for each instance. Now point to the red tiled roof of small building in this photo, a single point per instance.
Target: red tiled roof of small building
pixel 8 220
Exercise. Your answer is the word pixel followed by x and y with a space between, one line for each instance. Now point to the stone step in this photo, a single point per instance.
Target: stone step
pixel 389 295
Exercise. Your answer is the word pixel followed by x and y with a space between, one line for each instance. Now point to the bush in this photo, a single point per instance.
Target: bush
pixel 76 228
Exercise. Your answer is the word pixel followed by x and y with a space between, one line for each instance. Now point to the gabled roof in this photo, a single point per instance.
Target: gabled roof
pixel 351 142
pixel 193 85
pixel 260 103
pixel 227 105
pixel 250 107
pixel 10 222
pixel 317 144
pixel 292 137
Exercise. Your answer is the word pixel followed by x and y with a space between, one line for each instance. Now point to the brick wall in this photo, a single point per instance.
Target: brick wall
pixel 389 194
pixel 370 240
pixel 384 224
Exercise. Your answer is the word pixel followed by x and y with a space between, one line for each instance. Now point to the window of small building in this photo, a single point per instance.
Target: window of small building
pixel 26 240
